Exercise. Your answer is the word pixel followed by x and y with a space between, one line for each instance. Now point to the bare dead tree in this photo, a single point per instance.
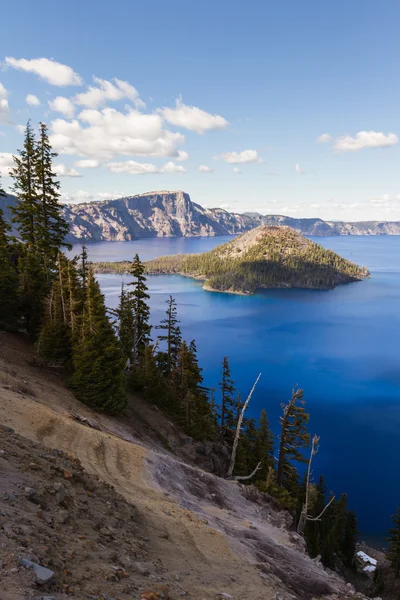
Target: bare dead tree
pixel 304 516
pixel 237 436
pixel 243 477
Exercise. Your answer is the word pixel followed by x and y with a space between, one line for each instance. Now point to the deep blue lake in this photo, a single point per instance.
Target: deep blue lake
pixel 342 346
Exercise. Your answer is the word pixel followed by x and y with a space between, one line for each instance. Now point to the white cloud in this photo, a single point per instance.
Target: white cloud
pixel 21 128
pixel 62 105
pixel 105 91
pixel 237 170
pixel 85 196
pixel 63 171
pixel 51 71
pixel 6 162
pixel 246 156
pixel 135 168
pixel 87 164
pixel 4 108
pixel 192 118
pixel 298 169
pixel 32 100
pixel 324 138
pixel 171 167
pixel 205 169
pixel 182 155
pixel 365 139
pixel 109 133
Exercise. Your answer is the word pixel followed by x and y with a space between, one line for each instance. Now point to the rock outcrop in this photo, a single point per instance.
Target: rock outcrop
pixel 173 214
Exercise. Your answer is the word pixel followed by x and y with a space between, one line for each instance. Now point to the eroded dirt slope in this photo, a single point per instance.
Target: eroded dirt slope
pixel 200 533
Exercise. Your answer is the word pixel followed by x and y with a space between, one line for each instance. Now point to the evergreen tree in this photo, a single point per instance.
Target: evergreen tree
pixel 172 337
pixel 83 269
pixel 33 289
pixel 59 329
pixel 394 544
pixel 264 446
pixel 294 438
pixel 8 276
pixel 98 378
pixel 349 539
pixel 26 187
pixel 138 296
pixel 126 324
pixel 227 402
pixel 51 226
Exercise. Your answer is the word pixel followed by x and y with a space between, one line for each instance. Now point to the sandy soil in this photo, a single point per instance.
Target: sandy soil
pixel 206 536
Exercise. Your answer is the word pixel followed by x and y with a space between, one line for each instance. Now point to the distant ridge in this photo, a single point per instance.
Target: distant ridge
pixel 173 214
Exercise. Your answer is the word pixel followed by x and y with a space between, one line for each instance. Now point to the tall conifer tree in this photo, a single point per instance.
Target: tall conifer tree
pixel 227 400
pixel 293 438
pixel 139 297
pixel 51 227
pixel 26 187
pixel 172 336
pixel 98 378
pixel 8 276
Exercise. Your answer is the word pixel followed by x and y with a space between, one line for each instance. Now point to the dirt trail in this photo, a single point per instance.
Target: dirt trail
pixel 201 528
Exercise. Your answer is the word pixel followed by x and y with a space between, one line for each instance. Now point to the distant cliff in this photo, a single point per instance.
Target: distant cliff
pixel 173 214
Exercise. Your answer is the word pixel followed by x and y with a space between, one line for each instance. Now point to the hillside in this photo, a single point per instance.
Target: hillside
pixel 173 214
pixel 113 514
pixel 265 257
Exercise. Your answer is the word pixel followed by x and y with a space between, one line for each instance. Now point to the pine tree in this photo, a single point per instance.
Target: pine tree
pixel 126 324
pixel 59 329
pixel 264 446
pixel 26 187
pixel 227 401
pixel 83 269
pixel 8 277
pixel 349 539
pixel 172 337
pixel 394 544
pixel 98 378
pixel 138 296
pixel 51 226
pixel 294 438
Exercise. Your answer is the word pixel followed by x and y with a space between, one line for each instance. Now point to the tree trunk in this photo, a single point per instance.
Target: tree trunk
pixel 238 427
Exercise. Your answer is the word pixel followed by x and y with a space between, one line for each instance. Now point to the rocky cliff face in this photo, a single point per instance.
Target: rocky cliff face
pixel 173 214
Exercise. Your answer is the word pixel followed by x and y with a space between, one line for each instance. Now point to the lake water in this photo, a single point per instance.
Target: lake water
pixel 342 346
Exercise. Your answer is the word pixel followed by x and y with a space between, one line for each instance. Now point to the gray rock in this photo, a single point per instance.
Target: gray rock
pixel 59 490
pixel 61 517
pixel 43 574
pixel 143 568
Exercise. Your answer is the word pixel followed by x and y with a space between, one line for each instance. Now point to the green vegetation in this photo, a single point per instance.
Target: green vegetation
pixel 263 258
pixel 266 257
pixel 59 303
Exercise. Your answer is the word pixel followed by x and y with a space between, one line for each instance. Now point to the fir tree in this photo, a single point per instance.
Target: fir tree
pixel 51 227
pixel 60 324
pixel 83 269
pixel 126 324
pixel 227 402
pixel 264 446
pixel 294 438
pixel 98 378
pixel 394 544
pixel 139 297
pixel 349 539
pixel 8 277
pixel 26 187
pixel 172 337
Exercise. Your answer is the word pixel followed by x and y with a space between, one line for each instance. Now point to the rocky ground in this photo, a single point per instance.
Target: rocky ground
pixel 113 515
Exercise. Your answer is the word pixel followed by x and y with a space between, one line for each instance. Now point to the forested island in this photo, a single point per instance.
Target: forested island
pixel 265 257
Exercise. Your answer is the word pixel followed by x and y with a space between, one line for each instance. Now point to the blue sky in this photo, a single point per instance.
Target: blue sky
pixel 153 91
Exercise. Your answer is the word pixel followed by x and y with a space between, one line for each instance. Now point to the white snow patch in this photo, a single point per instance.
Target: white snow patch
pixel 369 569
pixel 372 562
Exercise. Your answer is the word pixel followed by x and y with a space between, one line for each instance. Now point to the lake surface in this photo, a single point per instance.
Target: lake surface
pixel 342 346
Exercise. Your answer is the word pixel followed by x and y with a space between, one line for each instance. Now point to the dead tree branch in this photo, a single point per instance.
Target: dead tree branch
pixel 243 477
pixel 238 428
